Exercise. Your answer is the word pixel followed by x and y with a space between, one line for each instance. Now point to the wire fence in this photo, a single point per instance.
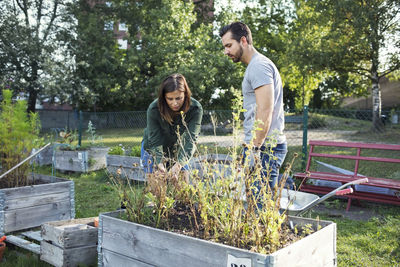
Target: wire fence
pixel 329 124
pixel 126 128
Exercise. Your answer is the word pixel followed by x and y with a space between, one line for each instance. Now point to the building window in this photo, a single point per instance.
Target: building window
pixel 109 25
pixel 122 27
pixel 123 44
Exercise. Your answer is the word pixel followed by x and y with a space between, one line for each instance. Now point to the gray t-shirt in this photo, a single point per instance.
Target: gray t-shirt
pixel 261 71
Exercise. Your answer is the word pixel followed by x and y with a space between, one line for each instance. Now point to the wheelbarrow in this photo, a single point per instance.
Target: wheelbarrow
pixel 297 203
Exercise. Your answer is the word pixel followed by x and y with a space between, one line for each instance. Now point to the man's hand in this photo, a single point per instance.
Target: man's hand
pixel 252 156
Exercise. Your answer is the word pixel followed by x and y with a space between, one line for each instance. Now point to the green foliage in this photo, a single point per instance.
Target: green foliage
pixel 93 138
pixel 100 72
pixel 117 150
pixel 165 38
pixel 19 134
pixel 135 151
pixel 33 52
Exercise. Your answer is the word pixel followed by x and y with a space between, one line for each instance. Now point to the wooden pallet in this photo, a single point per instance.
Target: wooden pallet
pixel 26 240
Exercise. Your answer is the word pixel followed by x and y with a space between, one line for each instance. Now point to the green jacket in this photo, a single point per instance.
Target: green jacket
pixel 161 139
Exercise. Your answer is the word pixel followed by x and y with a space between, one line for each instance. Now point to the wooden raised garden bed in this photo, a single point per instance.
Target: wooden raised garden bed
pixel 69 243
pixel 88 160
pixel 50 199
pixel 123 243
pixel 129 166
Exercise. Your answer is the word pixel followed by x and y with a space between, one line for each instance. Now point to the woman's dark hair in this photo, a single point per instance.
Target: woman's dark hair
pixel 238 29
pixel 170 84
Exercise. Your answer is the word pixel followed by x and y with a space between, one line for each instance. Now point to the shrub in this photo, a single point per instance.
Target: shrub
pixel 19 134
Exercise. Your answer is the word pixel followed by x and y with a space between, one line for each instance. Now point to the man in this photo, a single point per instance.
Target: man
pixel 262 99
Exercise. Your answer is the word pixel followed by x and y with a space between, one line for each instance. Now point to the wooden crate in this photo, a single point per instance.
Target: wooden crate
pixel 69 243
pixel 81 160
pixel 123 243
pixel 130 167
pixel 30 206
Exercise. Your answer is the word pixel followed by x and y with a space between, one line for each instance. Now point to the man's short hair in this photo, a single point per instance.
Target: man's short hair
pixel 238 29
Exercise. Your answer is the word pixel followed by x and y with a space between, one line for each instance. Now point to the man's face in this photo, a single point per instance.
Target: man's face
pixel 233 48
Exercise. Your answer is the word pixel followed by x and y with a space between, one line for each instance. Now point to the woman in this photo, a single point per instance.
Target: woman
pixel 173 115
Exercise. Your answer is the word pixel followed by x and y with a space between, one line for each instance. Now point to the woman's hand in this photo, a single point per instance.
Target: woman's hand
pixel 161 168
pixel 176 169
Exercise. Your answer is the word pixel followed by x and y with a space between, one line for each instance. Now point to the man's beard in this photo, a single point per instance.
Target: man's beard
pixel 236 58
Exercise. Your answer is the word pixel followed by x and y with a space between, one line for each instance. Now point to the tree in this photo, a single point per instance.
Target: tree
pixel 33 35
pixel 288 35
pixel 164 38
pixel 357 36
pixel 100 76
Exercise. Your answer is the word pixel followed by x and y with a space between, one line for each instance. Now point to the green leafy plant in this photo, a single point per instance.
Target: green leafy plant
pixel 135 151
pixel 117 150
pixel 19 134
pixel 68 139
pixel 93 138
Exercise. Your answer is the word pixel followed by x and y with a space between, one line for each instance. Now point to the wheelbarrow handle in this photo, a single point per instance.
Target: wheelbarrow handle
pixel 360 181
pixel 344 191
pixel 338 191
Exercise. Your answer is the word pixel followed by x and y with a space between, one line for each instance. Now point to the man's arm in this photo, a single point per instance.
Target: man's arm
pixel 265 107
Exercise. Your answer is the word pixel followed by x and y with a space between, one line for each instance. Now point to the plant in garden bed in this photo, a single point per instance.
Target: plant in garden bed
pixel 19 134
pixel 212 206
pixel 20 208
pixel 70 156
pixel 120 150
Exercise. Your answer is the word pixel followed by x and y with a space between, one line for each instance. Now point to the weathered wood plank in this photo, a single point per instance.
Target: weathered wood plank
pixel 124 161
pixel 161 248
pixel 37 200
pixel 81 161
pixel 23 243
pixel 111 259
pixel 130 167
pixel 37 190
pixel 67 257
pixel 46 178
pixel 71 160
pixel 34 235
pixel 35 216
pixel 134 173
pixel 71 233
pixel 97 158
pixel 320 250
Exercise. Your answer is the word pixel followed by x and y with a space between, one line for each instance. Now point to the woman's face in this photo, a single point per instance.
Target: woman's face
pixel 175 99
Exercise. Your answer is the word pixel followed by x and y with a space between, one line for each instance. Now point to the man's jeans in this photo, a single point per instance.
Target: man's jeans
pixel 271 161
pixel 272 164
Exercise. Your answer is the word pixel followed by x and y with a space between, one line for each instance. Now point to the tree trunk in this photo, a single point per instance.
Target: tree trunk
pixel 32 99
pixel 377 124
pixel 32 88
